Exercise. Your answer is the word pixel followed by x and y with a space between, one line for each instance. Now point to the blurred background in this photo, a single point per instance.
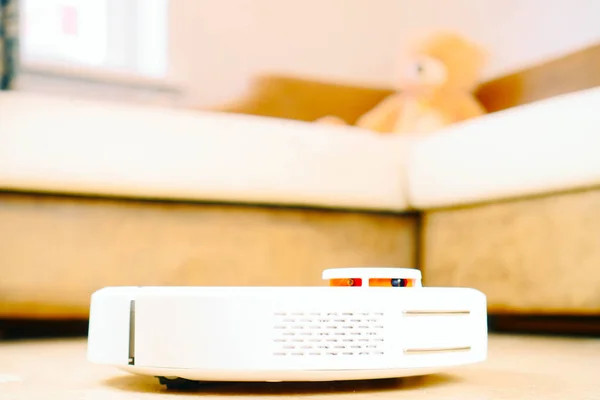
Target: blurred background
pixel 202 52
pixel 118 190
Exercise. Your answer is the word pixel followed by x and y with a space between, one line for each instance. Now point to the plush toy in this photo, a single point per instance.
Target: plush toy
pixel 434 89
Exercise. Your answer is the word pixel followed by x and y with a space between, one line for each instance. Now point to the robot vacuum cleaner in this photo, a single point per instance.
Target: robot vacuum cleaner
pixel 365 323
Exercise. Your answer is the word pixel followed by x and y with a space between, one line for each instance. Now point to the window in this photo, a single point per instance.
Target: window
pixel 119 36
pixel 64 32
pixel 111 49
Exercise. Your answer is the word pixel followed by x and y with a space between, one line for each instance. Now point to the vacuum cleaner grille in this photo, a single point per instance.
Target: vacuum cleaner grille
pixel 335 333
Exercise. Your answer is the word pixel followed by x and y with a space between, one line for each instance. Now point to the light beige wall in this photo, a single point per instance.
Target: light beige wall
pixel 218 45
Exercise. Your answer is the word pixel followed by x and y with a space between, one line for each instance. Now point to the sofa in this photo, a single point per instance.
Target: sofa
pixel 98 193
pixel 253 193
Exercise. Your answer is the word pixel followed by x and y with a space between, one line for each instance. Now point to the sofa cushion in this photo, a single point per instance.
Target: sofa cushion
pixel 547 146
pixel 64 145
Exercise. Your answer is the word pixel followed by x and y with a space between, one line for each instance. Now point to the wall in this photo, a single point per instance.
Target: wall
pixel 216 47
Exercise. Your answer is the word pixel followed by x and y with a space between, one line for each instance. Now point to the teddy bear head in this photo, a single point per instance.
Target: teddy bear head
pixel 442 60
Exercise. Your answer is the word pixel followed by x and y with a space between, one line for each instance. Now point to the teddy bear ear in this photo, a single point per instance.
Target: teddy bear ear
pixel 464 58
pixel 410 48
pixel 478 52
pixel 415 43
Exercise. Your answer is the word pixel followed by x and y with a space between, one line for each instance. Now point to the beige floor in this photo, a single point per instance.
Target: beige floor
pixel 518 368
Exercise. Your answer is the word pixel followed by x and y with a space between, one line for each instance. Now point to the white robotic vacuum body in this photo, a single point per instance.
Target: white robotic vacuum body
pixel 369 323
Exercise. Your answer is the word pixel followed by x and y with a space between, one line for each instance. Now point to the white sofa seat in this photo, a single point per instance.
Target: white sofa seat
pixel 54 144
pixel 543 147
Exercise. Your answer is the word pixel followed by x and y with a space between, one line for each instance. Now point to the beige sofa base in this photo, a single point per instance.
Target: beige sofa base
pixel 530 256
pixel 55 251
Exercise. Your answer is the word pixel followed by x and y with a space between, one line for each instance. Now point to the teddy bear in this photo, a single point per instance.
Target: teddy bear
pixel 434 89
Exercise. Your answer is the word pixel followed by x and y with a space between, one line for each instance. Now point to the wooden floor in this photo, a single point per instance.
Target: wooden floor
pixel 519 367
